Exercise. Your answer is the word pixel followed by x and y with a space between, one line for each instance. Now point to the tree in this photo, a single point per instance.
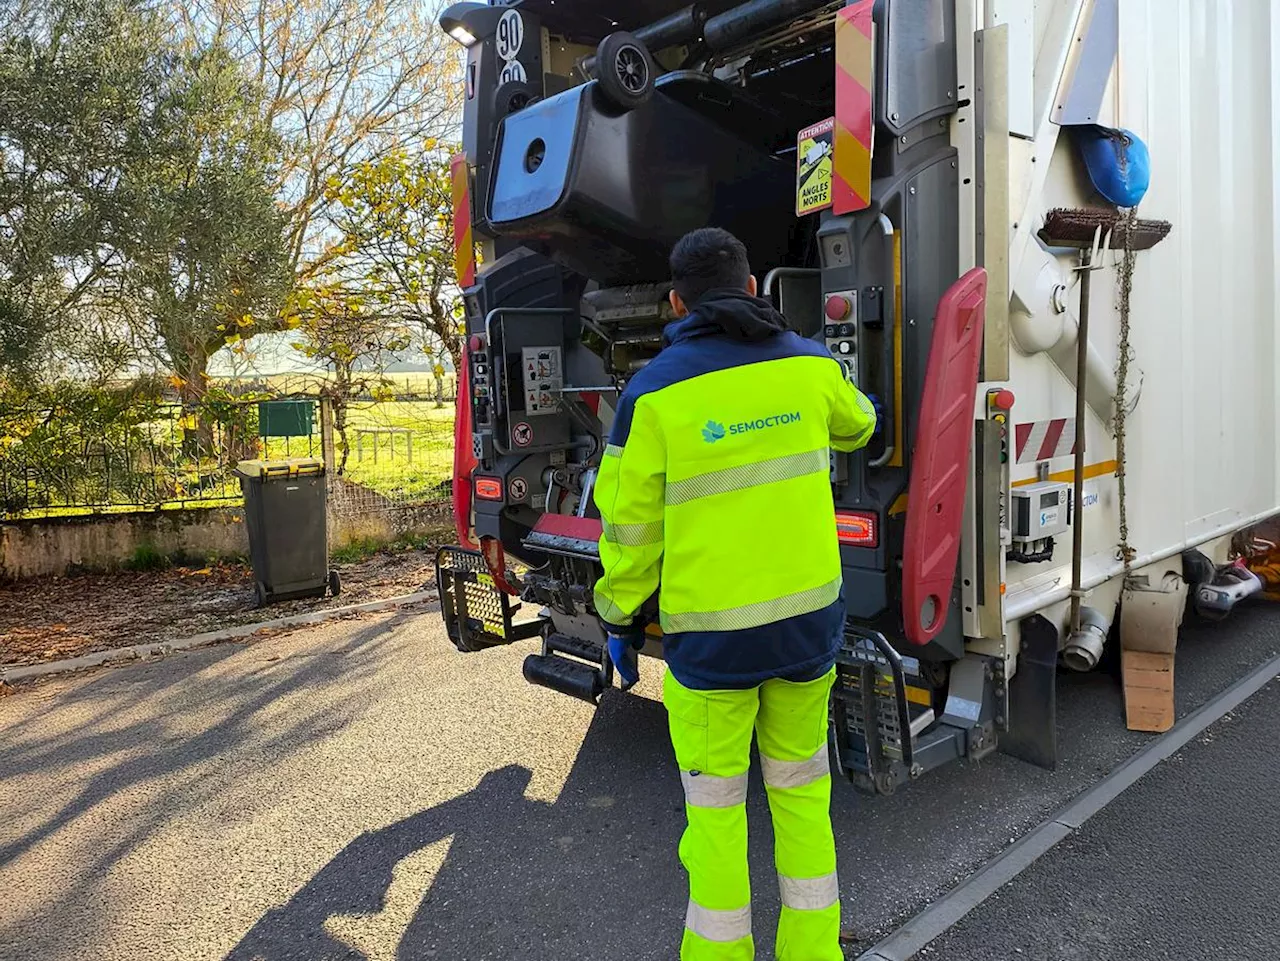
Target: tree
pixel 396 217
pixel 138 197
pixel 343 79
pixel 341 330
pixel 209 261
pixel 72 442
pixel 74 76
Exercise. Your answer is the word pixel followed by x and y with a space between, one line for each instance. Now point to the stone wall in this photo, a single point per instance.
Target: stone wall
pixel 56 545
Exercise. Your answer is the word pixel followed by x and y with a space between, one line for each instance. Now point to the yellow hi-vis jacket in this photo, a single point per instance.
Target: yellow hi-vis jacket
pixel 716 484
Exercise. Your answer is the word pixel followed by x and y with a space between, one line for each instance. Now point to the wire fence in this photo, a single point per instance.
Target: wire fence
pixel 381 454
pixel 391 454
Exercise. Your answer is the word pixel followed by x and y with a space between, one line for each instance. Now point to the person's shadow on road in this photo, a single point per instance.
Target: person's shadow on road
pixel 493 874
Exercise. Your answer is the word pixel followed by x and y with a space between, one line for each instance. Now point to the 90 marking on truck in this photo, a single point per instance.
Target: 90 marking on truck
pixel 512 72
pixel 510 35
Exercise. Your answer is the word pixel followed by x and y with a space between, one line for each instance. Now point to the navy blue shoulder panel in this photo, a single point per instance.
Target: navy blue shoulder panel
pixel 690 357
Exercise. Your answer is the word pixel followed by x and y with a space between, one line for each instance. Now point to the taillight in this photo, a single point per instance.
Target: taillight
pixel 858 528
pixel 489 488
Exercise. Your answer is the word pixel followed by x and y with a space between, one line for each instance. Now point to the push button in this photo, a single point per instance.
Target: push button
pixel 838 307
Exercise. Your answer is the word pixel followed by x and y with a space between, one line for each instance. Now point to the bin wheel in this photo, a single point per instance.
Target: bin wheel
pixel 260 591
pixel 625 69
pixel 335 583
pixel 513 95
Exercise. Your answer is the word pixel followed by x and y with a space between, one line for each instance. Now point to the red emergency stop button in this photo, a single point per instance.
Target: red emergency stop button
pixel 1003 400
pixel 476 343
pixel 839 307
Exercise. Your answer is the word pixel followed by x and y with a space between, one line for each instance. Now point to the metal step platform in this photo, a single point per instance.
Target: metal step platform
pixel 477 615
pixel 572 666
pixel 882 739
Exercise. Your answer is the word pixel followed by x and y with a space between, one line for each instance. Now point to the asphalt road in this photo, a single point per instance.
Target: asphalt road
pixel 360 790
pixel 1182 866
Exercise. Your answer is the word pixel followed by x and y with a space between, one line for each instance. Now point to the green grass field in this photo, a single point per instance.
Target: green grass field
pixel 419 383
pixel 403 466
pixel 401 450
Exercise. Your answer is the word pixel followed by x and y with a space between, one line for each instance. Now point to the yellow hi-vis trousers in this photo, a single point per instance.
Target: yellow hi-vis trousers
pixel 711 732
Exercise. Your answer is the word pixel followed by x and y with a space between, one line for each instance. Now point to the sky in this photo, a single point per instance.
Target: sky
pixel 274 354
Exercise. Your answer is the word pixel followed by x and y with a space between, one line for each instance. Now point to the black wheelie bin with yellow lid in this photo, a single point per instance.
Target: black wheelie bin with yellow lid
pixel 285 510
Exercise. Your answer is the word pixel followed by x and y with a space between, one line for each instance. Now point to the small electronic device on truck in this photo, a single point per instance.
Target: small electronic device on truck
pixel 886 163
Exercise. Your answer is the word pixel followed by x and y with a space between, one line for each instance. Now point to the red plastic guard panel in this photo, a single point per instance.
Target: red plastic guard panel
pixel 464 461
pixel 940 461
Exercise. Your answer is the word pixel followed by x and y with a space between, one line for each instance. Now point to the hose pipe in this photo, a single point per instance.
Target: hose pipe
pixel 1085 645
pixel 728 29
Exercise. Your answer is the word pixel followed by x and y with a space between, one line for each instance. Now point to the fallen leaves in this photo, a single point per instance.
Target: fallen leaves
pixel 51 619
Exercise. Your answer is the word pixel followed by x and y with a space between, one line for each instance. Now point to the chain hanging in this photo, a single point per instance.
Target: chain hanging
pixel 1125 278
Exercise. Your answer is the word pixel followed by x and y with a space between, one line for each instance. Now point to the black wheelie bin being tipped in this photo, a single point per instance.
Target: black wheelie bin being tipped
pixel 285 510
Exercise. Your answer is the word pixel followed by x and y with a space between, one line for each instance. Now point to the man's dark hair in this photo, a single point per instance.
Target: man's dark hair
pixel 707 259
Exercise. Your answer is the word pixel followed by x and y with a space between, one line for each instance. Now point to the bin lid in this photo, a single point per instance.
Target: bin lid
pixel 293 467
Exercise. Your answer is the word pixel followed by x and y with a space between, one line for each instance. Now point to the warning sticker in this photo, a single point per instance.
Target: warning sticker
pixel 814 147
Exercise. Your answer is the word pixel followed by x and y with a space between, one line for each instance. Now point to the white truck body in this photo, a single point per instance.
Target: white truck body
pixel 1199 82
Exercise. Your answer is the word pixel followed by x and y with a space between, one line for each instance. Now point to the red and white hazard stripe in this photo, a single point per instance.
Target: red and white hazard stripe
pixel 1045 439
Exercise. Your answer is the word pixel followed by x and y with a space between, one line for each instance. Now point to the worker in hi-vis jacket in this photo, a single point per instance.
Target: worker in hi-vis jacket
pixel 715 487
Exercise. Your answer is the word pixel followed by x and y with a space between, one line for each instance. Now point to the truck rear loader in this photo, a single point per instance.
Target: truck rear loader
pixel 1080 405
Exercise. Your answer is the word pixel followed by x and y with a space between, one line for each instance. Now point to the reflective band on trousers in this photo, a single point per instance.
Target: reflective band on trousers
pixel 709 791
pixel 786 774
pixel 809 894
pixel 728 925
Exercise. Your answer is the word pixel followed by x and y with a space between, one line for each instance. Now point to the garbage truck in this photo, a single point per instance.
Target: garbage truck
pixel 1044 234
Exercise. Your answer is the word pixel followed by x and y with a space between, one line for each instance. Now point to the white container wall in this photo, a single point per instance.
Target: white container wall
pixel 1199 81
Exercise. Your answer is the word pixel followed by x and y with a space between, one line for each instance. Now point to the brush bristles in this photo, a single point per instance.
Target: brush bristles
pixel 1077 227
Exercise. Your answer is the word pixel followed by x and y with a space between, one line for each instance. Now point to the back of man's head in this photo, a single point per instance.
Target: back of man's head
pixel 707 259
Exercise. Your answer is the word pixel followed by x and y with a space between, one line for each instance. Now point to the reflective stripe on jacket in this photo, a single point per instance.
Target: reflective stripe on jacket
pixel 716 481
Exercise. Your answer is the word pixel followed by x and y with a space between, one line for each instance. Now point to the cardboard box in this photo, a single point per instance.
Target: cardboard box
pixel 1151 612
pixel 1148 690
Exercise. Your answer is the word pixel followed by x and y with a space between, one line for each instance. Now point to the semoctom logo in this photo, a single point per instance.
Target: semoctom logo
pixel 715 431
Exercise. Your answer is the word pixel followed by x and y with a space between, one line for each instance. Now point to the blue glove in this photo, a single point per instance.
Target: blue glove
pixel 625 655
pixel 875 402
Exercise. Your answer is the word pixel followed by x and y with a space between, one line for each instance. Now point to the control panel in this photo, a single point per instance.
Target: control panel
pixel 840 334
pixel 481 398
pixel 543 369
pixel 841 330
pixel 528 352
